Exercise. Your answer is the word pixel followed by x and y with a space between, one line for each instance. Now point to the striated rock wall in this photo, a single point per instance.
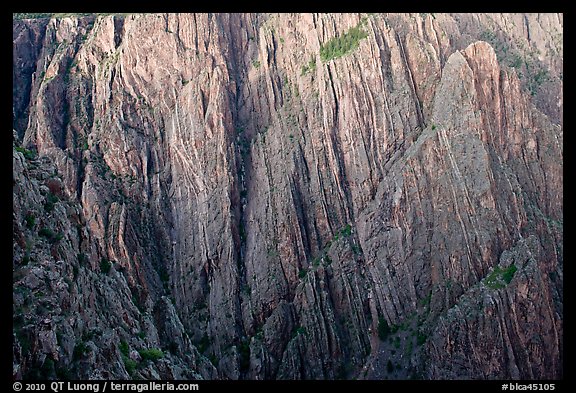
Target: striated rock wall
pixel 268 209
pixel 73 311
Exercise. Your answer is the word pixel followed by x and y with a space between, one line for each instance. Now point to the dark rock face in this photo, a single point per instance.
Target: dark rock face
pixel 213 198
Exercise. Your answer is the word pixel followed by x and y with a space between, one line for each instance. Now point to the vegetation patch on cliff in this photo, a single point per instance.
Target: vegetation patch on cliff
pixel 500 277
pixel 152 354
pixel 383 329
pixel 343 44
pixel 310 67
pixel 28 154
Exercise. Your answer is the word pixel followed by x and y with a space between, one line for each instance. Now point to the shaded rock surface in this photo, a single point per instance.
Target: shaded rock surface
pixel 220 191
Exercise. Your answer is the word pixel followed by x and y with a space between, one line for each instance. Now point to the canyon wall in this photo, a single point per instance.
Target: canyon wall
pixel 220 196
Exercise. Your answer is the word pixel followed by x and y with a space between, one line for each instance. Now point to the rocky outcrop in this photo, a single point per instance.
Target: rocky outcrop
pixel 270 206
pixel 74 311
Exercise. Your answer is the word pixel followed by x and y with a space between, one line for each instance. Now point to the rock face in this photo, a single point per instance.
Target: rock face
pixel 220 196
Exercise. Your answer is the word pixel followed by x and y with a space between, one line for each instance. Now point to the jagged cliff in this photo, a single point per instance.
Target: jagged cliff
pixel 288 196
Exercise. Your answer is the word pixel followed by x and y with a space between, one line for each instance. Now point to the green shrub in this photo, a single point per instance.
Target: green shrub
pixel 47 369
pixel 492 281
pixel 426 301
pixel 383 329
pixel 500 277
pixel 347 231
pixel 46 233
pixel 28 154
pixel 105 266
pixel 30 220
pixel 298 331
pixel 509 273
pixel 63 373
pixel 213 359
pixel 79 350
pixel 244 352
pixel 152 354
pixel 516 61
pixel 129 364
pixel 310 67
pixel 164 277
pixel 204 343
pixel 302 273
pixel 51 200
pixel 420 338
pixel 342 45
pixel 24 340
pixel 124 348
pixel 89 335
